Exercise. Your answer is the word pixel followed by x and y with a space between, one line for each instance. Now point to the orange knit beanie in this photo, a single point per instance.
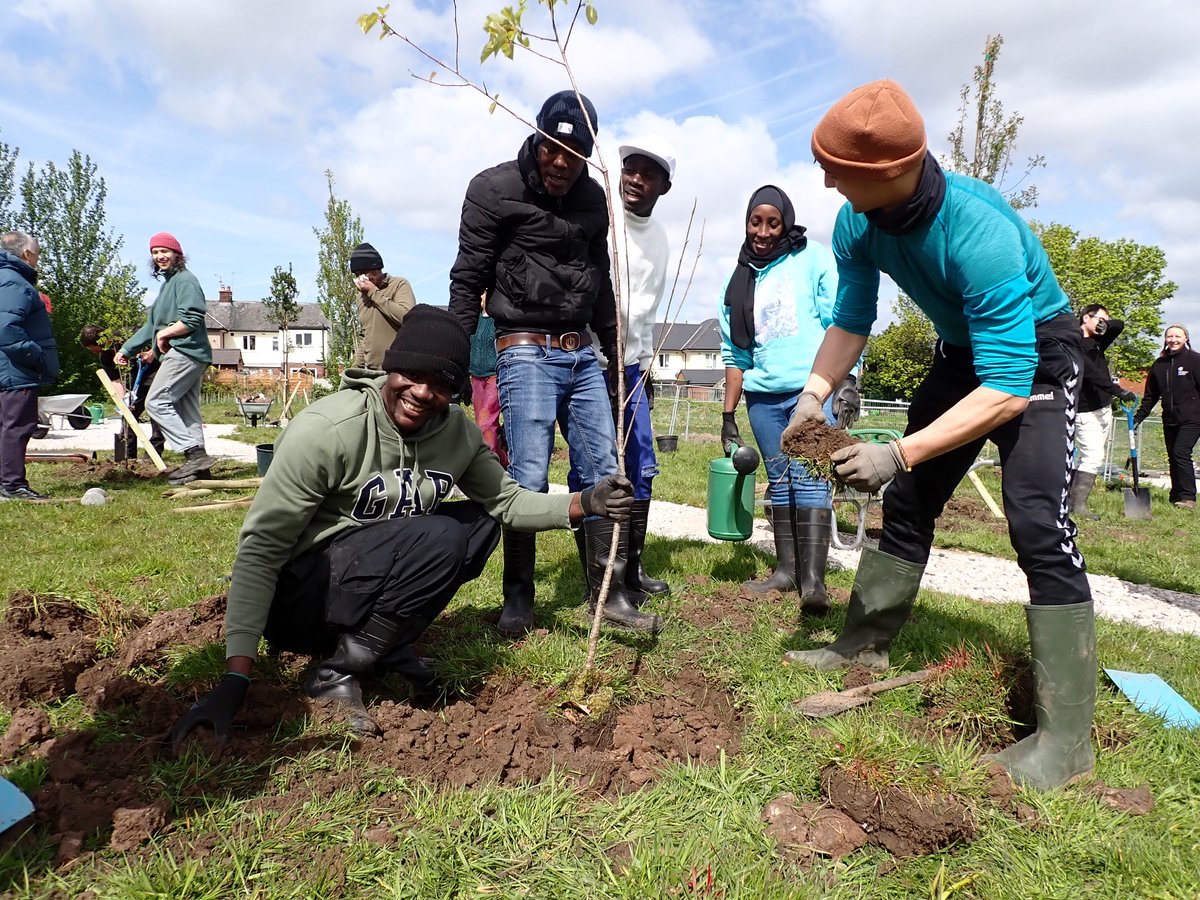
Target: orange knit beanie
pixel 875 133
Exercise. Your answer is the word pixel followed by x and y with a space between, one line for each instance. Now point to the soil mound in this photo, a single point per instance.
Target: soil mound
pixel 45 642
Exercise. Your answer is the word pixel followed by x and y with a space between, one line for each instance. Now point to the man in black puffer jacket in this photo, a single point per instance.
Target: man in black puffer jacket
pixel 534 238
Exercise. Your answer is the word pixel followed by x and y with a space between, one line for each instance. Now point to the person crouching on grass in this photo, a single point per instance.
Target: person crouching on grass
pixel 351 549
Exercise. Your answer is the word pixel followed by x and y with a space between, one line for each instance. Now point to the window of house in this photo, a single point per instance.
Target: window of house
pixel 275 344
pixel 247 342
pixel 663 360
pixel 304 340
pixel 710 359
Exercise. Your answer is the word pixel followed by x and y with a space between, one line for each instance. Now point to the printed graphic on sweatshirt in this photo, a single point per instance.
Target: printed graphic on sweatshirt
pixel 375 501
pixel 775 309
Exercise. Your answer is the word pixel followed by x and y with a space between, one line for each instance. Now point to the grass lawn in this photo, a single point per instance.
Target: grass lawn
pixel 603 806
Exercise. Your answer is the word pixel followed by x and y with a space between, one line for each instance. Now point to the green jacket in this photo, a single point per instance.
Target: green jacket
pixel 181 299
pixel 341 464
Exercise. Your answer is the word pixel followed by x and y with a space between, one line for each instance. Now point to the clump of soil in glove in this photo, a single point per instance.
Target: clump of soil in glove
pixel 813 444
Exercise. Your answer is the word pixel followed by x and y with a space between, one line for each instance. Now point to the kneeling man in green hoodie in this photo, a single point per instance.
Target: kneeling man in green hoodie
pixel 351 548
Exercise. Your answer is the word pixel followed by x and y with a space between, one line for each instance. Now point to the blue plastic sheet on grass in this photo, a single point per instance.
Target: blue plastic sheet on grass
pixel 1149 693
pixel 14 806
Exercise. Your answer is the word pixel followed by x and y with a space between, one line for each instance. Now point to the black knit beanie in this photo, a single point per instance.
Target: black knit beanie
pixel 365 258
pixel 561 116
pixel 430 342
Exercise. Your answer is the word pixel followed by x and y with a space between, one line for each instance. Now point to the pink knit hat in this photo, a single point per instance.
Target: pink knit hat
pixel 874 133
pixel 165 239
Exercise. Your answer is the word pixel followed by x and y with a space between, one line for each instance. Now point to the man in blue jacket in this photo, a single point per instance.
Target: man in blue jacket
pixel 28 359
pixel 1006 368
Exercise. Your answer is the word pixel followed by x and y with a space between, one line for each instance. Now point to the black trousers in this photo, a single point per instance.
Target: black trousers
pixel 1180 441
pixel 1035 451
pixel 18 422
pixel 406 568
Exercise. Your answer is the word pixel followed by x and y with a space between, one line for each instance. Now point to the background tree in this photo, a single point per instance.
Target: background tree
pixel 989 155
pixel 898 358
pixel 80 265
pixel 281 309
pixel 8 184
pixel 1122 275
pixel 336 294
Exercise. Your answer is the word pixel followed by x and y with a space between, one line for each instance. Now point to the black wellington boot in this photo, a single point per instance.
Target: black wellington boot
pixel 783 526
pixel 621 607
pixel 812 536
pixel 1081 489
pixel 520 554
pixel 637 579
pixel 358 653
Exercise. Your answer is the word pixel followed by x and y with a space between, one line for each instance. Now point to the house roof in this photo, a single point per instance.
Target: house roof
pixel 250 315
pixel 705 377
pixel 227 357
pixel 681 336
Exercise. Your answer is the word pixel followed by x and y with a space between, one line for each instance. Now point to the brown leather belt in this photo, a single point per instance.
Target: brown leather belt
pixel 568 340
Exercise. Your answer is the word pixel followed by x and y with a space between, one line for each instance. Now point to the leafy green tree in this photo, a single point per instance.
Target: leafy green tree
pixel 281 309
pixel 336 294
pixel 8 184
pixel 898 358
pixel 1122 275
pixel 80 266
pixel 989 155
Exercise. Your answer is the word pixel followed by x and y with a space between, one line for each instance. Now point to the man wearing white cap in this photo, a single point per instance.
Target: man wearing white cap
pixel 647 167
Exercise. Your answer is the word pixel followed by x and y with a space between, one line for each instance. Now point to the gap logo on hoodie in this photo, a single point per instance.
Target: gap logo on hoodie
pixel 374 501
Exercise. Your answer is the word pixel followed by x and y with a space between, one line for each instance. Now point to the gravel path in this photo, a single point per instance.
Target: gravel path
pixel 950 571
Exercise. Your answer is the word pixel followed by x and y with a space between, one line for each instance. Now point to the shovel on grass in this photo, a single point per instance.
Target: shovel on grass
pixel 1137 499
pixel 832 703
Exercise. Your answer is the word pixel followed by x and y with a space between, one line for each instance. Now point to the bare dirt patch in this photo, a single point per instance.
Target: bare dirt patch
pixel 109 472
pixel 805 832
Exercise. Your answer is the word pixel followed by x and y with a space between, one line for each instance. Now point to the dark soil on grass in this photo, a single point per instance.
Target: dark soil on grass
pixel 960 514
pixel 106 787
pixel 109 472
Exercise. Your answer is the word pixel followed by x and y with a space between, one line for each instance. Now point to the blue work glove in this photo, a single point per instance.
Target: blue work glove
pixel 215 709
pixel 729 432
pixel 612 498
pixel 808 409
pixel 846 403
pixel 867 467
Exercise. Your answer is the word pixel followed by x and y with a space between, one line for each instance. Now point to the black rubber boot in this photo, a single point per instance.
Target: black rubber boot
pixel 418 670
pixel 621 607
pixel 637 579
pixel 812 536
pixel 357 653
pixel 520 554
pixel 1062 642
pixel 1081 489
pixel 581 546
pixel 885 588
pixel 783 526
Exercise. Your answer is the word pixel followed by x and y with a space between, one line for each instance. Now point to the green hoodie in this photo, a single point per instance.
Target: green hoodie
pixel 181 299
pixel 341 464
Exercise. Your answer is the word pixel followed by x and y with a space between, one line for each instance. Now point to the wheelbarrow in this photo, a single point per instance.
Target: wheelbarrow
pixel 859 500
pixel 69 406
pixel 253 410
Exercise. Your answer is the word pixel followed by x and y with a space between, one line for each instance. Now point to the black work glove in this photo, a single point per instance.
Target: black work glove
pixel 215 709
pixel 729 432
pixel 1127 396
pixel 612 498
pixel 648 387
pixel 611 377
pixel 846 403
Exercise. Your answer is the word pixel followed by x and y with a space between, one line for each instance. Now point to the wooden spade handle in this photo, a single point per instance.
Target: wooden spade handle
pixel 878 687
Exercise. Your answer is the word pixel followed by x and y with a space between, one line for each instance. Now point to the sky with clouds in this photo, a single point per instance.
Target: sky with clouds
pixel 216 119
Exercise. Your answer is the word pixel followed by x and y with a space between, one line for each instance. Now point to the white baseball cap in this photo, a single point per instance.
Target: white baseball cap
pixel 655 148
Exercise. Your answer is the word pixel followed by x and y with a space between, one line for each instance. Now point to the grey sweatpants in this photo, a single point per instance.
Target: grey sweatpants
pixel 174 401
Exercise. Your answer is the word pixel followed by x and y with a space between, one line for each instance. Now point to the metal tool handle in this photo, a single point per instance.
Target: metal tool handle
pixel 861 507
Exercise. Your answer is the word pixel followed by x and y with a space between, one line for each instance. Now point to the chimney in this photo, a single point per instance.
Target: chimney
pixel 225 295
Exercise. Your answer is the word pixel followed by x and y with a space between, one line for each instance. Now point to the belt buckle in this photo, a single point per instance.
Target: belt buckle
pixel 569 340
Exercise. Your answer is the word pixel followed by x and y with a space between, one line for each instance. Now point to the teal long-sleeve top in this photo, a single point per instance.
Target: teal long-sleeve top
pixel 793 305
pixel 976 269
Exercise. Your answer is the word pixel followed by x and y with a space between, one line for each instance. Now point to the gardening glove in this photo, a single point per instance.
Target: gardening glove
pixel 729 432
pixel 1127 396
pixel 867 467
pixel 611 378
pixel 215 709
pixel 846 403
pixel 808 409
pixel 612 498
pixel 648 387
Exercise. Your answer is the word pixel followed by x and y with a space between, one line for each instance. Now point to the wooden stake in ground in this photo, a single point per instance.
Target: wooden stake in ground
pixel 130 418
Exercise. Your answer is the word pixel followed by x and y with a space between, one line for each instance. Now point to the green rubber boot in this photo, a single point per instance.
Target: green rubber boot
pixel 1062 642
pixel 882 597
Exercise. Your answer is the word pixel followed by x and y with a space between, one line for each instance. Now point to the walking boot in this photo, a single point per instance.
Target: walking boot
pixel 1081 489
pixel 195 462
pixel 783 526
pixel 1062 642
pixel 520 554
pixel 357 653
pixel 621 607
pixel 882 597
pixel 638 580
pixel 812 536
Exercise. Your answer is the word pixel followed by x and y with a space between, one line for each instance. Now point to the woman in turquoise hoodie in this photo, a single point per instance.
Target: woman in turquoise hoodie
pixel 777 304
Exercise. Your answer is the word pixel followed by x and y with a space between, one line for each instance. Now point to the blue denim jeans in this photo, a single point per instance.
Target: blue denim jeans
pixel 789 483
pixel 641 464
pixel 540 386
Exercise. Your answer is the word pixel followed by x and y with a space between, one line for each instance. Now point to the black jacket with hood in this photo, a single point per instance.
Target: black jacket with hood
pixel 1098 388
pixel 1176 381
pixel 543 260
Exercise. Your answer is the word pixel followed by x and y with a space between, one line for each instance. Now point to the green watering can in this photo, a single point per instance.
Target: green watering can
pixel 731 494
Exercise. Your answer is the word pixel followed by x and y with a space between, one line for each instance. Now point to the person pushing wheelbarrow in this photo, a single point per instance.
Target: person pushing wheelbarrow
pixel 1006 369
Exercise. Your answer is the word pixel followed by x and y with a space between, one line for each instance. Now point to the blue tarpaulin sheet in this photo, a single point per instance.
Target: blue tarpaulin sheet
pixel 1149 693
